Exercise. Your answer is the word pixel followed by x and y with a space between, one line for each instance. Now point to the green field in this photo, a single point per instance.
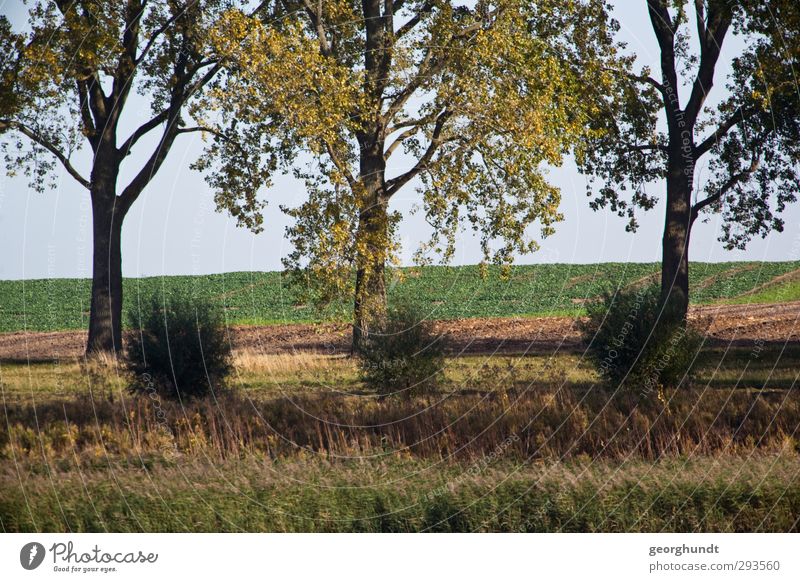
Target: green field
pixel 443 292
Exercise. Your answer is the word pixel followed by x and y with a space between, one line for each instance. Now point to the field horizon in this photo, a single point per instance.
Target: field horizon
pixel 442 292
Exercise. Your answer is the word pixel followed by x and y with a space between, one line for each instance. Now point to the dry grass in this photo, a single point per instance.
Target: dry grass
pixel 544 421
pixel 509 444
pixel 289 406
pixel 250 362
pixel 270 373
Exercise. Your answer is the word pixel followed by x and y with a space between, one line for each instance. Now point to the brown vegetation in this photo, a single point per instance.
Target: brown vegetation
pixel 543 421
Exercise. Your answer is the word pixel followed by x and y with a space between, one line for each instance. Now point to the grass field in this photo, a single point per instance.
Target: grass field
pixel 443 292
pixel 531 443
pixel 729 494
pixel 506 443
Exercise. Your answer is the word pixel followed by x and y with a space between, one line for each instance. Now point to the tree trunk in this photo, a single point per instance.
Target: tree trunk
pixel 105 318
pixel 370 292
pixel 675 244
pixel 372 247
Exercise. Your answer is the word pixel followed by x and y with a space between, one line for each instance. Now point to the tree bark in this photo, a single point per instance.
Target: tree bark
pixel 372 234
pixel 105 318
pixel 677 231
pixel 372 244
pixel 370 293
pixel 682 151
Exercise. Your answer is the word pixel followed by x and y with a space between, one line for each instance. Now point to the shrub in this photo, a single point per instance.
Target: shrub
pixel 636 344
pixel 180 348
pixel 402 354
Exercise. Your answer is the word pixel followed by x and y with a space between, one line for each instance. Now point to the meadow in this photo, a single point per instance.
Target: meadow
pixel 441 292
pixel 298 443
pixel 749 493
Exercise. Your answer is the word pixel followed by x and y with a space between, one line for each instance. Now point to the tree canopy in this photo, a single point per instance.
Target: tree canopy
pixel 472 103
pixel 66 83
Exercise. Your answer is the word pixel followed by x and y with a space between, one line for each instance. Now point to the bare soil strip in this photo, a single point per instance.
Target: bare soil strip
pixel 738 324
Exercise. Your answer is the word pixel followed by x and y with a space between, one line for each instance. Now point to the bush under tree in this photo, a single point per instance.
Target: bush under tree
pixel 179 349
pixel 403 354
pixel 638 342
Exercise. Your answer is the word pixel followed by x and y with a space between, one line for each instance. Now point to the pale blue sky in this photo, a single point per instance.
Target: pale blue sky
pixel 173 228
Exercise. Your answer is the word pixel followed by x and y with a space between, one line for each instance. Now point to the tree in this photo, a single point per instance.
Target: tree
pixel 67 82
pixel 745 149
pixel 480 99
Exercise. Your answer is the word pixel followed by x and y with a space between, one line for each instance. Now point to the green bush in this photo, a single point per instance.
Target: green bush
pixel 402 354
pixel 179 347
pixel 639 344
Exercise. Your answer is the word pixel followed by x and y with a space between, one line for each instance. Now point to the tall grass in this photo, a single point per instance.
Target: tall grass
pixel 756 493
pixel 546 421
pixel 512 444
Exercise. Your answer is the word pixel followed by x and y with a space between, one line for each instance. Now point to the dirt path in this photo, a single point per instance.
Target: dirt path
pixel 724 323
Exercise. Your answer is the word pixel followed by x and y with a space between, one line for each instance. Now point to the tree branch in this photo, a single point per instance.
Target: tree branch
pixel 647 79
pixel 647 148
pixel 202 81
pixel 146 173
pixel 710 47
pixel 414 20
pixel 315 15
pixel 98 101
pixel 399 140
pixel 156 34
pixel 48 145
pixel 730 183
pixel 181 93
pixel 215 132
pixel 664 29
pixel 739 116
pixel 395 184
pixel 204 129
pixel 126 65
pixel 425 70
pixel 429 67
pixel 86 113
pixel 161 117
pixel 199 84
pixel 340 165
pixel 143 130
pixel 699 14
pixel 177 101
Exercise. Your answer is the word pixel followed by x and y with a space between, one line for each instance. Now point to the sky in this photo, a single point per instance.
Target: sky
pixel 173 229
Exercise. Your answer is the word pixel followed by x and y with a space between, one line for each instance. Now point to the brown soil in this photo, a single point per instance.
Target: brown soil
pixel 767 322
pixel 739 324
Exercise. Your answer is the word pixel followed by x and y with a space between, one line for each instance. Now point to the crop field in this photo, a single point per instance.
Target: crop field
pixel 443 292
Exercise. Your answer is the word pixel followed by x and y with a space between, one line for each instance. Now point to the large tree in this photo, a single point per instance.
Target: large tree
pixel 737 157
pixel 67 82
pixel 471 102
